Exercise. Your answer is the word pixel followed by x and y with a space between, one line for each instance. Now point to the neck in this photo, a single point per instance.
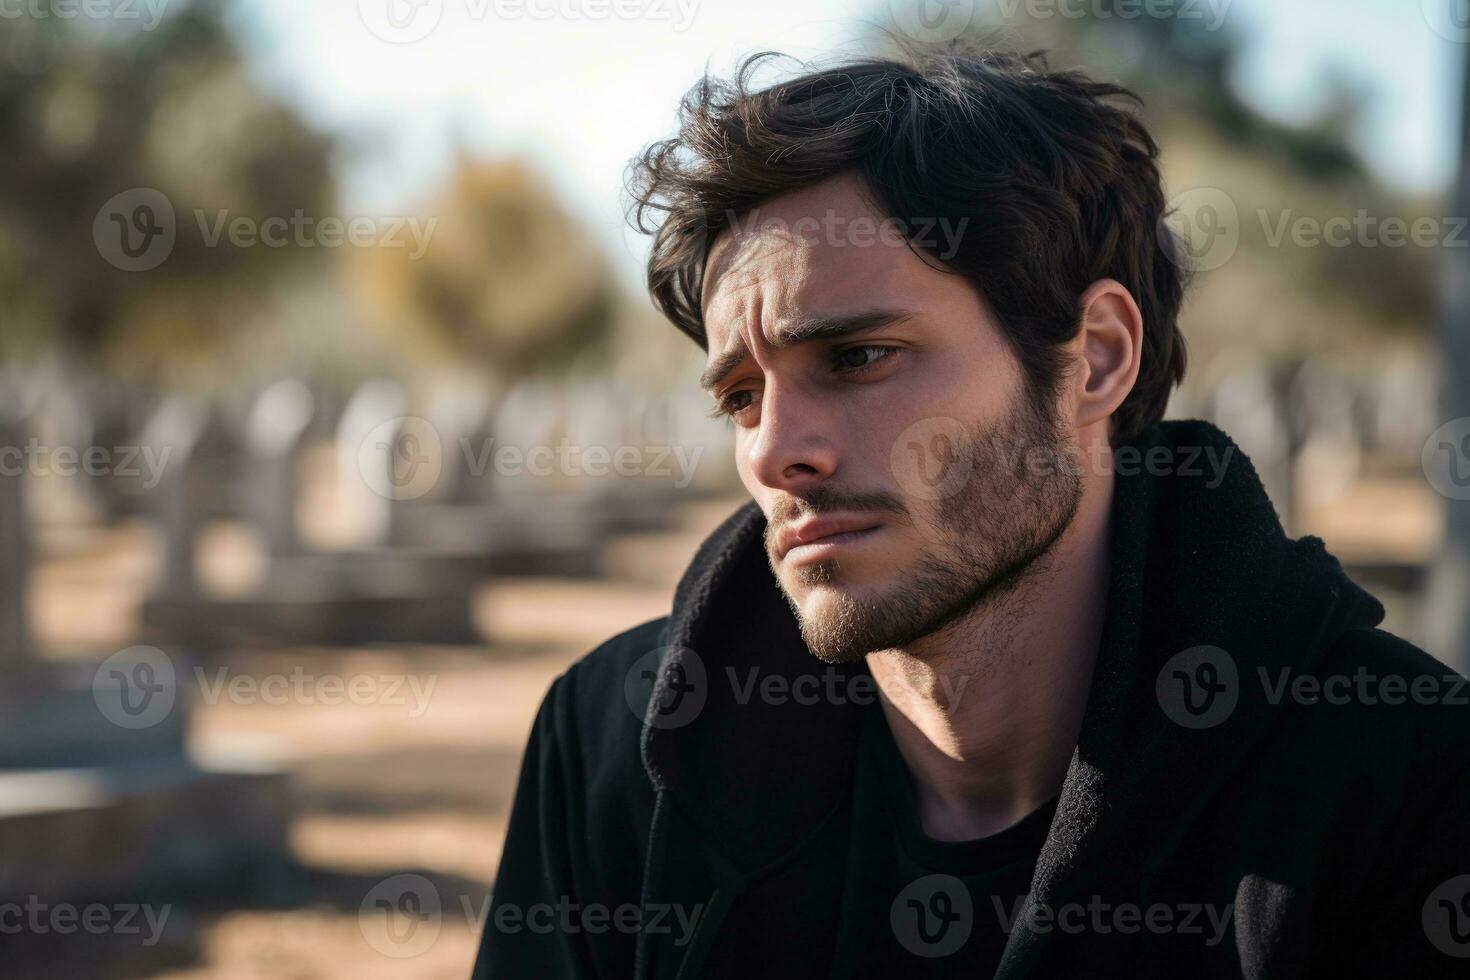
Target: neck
pixel 986 713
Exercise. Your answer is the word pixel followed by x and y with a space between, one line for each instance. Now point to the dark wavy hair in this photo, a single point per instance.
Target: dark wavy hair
pixel 1051 183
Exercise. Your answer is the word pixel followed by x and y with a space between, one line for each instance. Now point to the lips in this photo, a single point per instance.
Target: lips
pixel 823 531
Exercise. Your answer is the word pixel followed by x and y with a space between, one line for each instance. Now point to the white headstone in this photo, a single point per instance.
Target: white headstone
pixel 275 432
pixel 368 438
pixel 176 429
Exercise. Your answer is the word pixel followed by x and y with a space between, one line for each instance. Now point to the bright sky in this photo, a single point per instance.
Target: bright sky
pixel 580 94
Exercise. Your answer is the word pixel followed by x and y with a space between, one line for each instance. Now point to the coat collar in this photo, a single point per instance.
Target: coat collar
pixel 1193 563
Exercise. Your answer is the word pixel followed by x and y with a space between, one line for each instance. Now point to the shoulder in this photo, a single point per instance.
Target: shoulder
pixel 1398 754
pixel 1388 672
pixel 602 676
pixel 1392 715
pixel 595 709
pixel 584 803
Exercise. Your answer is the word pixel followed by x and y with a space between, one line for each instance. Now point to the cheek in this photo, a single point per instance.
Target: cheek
pixel 885 426
pixel 742 466
pixel 872 438
pixel 747 477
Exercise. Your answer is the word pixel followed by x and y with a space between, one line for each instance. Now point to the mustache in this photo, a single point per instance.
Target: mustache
pixel 823 500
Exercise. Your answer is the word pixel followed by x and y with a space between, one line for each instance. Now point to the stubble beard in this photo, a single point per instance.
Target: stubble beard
pixel 1000 528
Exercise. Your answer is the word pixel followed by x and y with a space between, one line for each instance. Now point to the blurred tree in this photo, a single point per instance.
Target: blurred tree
pixel 509 285
pixel 1182 62
pixel 1185 67
pixel 94 106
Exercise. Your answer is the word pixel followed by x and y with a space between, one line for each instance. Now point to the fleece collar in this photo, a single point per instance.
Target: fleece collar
pixel 1198 558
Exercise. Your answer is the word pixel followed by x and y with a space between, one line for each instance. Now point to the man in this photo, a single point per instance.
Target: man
pixel 997 674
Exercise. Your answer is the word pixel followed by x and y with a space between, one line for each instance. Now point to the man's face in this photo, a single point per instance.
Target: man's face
pixel 906 471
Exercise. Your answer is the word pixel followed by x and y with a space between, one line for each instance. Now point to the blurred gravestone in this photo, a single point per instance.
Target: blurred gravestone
pixel 276 431
pixel 117 416
pixel 367 441
pixel 372 593
pixel 462 413
pixel 14 569
pixel 528 521
pixel 1402 406
pixel 1245 406
pixel 64 426
pixel 530 417
pixel 179 505
pixel 1323 437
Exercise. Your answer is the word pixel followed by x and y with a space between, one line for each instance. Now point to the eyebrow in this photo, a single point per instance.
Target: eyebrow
pixel 798 330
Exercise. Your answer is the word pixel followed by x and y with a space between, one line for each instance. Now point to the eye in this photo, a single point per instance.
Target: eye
pixel 859 358
pixel 731 405
pixel 848 361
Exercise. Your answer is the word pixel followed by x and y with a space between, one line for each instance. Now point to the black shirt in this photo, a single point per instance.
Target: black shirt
pixel 913 906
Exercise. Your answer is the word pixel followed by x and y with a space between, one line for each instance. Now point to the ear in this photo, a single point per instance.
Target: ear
pixel 1109 347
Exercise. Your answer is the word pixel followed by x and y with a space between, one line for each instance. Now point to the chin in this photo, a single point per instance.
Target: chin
pixel 816 603
pixel 833 619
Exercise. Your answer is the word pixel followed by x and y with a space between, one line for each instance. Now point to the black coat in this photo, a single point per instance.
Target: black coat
pixel 1328 836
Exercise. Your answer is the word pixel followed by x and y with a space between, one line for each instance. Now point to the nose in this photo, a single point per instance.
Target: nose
pixel 794 448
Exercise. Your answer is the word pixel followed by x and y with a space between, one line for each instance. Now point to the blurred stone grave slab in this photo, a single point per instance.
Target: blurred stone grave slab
pixel 321 618
pixel 49 717
pixel 351 597
pixel 550 536
pixel 100 799
pixel 397 467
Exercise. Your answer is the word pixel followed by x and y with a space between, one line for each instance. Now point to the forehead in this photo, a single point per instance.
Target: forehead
pixel 823 249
